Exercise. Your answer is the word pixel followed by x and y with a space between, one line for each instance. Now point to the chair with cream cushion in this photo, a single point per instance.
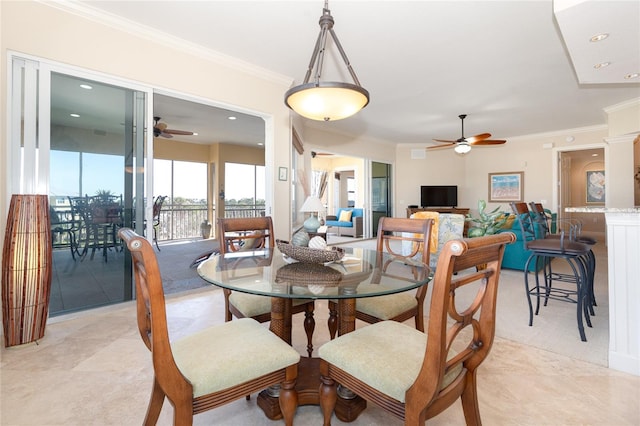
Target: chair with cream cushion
pixel 415 375
pixel 392 232
pixel 212 367
pixel 242 234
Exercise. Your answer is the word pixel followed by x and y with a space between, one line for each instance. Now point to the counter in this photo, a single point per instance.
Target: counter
pixel 623 241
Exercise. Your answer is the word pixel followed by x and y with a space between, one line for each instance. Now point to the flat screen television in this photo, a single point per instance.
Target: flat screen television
pixel 438 196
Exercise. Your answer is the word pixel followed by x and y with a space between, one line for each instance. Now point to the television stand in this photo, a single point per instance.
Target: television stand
pixel 455 210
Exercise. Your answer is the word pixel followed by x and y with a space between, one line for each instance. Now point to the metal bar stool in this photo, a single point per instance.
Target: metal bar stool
pixel 544 250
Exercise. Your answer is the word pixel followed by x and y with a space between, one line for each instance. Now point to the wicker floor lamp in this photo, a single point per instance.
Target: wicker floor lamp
pixel 26 269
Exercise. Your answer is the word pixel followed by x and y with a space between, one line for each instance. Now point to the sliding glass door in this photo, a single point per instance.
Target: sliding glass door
pixel 86 151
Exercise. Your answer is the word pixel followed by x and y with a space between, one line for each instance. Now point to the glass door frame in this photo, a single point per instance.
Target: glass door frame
pixel 32 176
pixel 29 129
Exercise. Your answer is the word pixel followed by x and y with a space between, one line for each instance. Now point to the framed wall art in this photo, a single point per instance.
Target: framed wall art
pixel 506 187
pixel 595 187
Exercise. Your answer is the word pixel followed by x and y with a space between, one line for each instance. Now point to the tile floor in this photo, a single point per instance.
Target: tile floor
pixel 93 369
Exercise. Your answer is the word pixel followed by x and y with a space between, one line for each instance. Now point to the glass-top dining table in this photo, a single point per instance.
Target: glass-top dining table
pixel 360 273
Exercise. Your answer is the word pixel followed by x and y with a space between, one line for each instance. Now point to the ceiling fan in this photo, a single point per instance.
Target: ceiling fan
pixel 463 145
pixel 160 129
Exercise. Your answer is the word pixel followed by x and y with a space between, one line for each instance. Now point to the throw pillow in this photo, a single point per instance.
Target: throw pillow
pixel 509 223
pixel 255 240
pixel 345 216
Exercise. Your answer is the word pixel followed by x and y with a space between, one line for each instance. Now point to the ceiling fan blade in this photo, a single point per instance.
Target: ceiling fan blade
pixel 166 135
pixel 444 141
pixel 178 132
pixel 449 145
pixel 489 142
pixel 478 138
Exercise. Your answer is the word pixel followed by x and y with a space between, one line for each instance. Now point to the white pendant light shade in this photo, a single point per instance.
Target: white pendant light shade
pixel 328 101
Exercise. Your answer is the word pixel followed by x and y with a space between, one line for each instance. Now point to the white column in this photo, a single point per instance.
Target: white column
pixel 623 238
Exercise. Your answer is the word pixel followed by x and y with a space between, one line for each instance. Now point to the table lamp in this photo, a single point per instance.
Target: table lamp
pixel 313 205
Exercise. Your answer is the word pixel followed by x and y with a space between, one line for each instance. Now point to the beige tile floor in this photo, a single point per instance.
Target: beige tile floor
pixel 92 369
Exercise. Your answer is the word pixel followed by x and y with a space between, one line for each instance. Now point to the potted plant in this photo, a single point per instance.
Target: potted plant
pixel 485 223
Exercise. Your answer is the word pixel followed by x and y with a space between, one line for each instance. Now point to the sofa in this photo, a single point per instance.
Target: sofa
pixel 347 222
pixel 515 255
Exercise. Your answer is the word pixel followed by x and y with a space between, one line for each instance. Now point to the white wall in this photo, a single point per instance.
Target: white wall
pixel 43 31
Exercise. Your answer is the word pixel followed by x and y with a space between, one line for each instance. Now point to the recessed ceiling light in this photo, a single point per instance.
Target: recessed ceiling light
pixel 599 37
pixel 594 155
pixel 632 75
pixel 232 118
pixel 86 86
pixel 75 115
pixel 195 133
pixel 602 65
pixel 260 144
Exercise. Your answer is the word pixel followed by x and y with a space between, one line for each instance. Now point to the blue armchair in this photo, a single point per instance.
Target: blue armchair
pixel 351 227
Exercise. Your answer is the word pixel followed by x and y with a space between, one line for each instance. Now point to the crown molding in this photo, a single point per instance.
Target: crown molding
pixel 119 23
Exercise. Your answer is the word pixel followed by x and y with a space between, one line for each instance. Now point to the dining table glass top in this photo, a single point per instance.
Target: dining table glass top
pixel 360 273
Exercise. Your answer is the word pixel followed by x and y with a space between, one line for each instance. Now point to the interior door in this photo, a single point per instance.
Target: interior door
pixel 380 194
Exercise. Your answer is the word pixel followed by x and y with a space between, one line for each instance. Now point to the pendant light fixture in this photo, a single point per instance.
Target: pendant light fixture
pixel 326 100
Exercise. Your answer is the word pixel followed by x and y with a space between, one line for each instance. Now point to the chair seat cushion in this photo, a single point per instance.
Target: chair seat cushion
pixel 387 356
pixel 384 307
pixel 229 354
pixel 252 305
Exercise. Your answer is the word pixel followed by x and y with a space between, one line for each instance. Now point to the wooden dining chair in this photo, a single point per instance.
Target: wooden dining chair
pixel 242 234
pixel 212 367
pixel 392 231
pixel 415 375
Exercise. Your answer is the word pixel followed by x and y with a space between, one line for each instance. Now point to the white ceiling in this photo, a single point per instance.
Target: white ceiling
pixel 514 67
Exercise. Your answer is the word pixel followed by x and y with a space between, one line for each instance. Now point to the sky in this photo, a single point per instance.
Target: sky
pixel 103 172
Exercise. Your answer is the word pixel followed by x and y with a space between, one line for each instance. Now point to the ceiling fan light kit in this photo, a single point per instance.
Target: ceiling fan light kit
pixel 462 148
pixel 325 101
pixel 463 145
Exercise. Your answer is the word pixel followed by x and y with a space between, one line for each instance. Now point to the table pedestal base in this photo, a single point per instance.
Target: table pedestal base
pixel 308 386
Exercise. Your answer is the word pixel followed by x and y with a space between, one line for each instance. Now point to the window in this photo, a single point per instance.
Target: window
pixel 244 193
pixel 185 183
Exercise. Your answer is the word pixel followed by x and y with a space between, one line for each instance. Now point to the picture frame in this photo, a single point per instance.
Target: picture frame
pixel 282 173
pixel 506 187
pixel 595 187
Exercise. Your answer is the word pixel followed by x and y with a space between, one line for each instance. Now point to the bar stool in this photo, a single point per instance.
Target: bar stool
pixel 544 250
pixel 575 230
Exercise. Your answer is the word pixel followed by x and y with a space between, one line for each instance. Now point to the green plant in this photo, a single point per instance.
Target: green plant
pixel 485 223
pixel 104 194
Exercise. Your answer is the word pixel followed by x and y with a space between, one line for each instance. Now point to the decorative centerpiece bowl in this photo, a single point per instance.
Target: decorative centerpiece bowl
pixel 309 255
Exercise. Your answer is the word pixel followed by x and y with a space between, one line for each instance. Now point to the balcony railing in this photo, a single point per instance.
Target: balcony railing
pixel 183 221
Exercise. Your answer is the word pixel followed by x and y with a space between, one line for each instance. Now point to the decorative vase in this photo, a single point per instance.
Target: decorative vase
pixel 205 229
pixel 300 239
pixel 312 224
pixel 26 269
